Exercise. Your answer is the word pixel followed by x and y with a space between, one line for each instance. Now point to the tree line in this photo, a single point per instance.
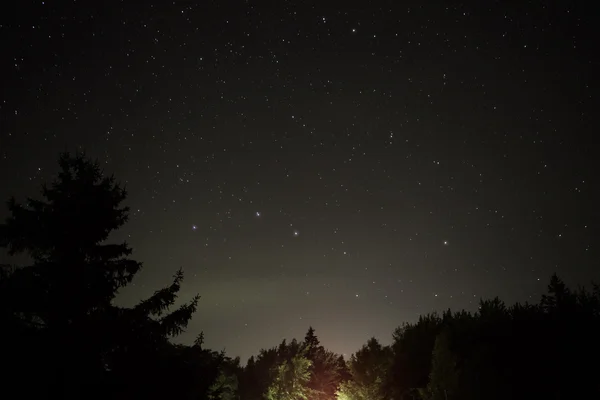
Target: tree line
pixel 64 337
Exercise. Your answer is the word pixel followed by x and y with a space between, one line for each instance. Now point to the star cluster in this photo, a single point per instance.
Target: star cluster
pixel 345 167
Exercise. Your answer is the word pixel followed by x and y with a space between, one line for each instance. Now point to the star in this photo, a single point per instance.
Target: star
pixel 258 213
pixel 194 227
pixel 296 233
pixel 445 243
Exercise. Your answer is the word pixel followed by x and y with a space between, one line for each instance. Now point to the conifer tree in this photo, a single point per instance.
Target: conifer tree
pixel 64 332
pixel 326 371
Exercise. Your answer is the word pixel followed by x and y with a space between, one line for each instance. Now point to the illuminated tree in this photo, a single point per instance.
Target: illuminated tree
pixel 326 370
pixel 290 380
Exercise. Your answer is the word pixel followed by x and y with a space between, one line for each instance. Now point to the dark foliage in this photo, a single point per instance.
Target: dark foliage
pixel 63 336
pixel 519 352
pixel 326 369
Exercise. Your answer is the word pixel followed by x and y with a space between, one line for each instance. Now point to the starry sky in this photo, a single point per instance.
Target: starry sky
pixel 345 165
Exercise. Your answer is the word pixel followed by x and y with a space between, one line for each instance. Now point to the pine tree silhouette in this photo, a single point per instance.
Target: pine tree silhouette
pixel 63 331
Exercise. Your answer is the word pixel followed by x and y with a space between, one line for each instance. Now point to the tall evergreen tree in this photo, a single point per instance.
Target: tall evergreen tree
pixel 64 332
pixel 326 370
pixel 559 298
pixel 311 341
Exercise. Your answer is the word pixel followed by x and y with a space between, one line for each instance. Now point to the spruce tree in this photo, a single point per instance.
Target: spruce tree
pixel 64 335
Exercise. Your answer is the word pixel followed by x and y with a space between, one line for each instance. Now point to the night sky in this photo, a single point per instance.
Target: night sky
pixel 318 163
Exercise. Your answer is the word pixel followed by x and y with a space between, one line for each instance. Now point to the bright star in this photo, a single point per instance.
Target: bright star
pixel 258 213
pixel 194 227
pixel 296 233
pixel 445 243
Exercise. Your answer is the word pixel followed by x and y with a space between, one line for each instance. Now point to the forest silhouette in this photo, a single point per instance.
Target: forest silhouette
pixel 63 336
